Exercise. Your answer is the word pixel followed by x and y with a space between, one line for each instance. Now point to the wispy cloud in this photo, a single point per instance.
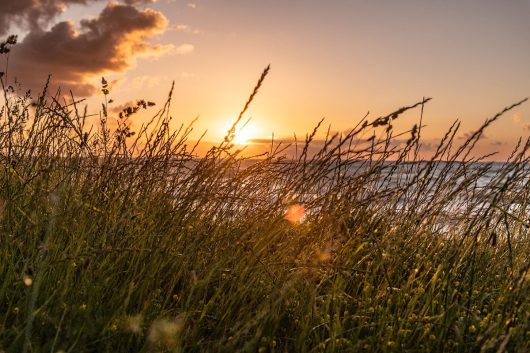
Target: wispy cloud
pixel 516 118
pixel 467 135
pixel 192 5
pixel 187 74
pixel 184 49
pixel 184 28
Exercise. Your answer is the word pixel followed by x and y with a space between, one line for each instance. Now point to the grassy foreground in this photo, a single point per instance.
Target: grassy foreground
pixel 118 242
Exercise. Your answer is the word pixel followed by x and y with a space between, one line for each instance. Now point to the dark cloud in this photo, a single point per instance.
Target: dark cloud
pixel 32 14
pixel 108 43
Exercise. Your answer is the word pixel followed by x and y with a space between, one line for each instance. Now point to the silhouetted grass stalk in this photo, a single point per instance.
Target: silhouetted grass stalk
pixel 125 241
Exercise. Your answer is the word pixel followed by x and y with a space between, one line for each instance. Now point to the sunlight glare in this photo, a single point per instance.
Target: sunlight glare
pixel 295 213
pixel 245 134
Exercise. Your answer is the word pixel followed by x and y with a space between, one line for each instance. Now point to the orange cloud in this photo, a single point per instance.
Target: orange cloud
pixel 110 42
pixel 33 14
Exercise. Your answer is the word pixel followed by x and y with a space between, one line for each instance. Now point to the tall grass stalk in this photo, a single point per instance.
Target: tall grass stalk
pixel 120 240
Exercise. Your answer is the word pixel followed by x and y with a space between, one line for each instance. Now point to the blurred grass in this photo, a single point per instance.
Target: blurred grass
pixel 122 241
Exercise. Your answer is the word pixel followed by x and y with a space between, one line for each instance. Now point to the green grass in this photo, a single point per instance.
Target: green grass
pixel 112 245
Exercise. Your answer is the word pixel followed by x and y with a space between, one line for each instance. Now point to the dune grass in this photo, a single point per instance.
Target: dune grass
pixel 122 241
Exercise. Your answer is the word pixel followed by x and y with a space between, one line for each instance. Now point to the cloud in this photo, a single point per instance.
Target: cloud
pixel 187 74
pixel 192 5
pixel 467 135
pixel 33 14
pixel 184 49
pixel 184 28
pixel 120 107
pixel 516 118
pixel 138 2
pixel 108 43
pixel 489 140
pixel 359 145
pixel 267 141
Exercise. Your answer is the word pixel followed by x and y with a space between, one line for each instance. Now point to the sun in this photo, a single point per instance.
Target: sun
pixel 246 134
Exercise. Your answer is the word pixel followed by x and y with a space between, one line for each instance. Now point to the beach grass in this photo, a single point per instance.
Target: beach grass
pixel 113 240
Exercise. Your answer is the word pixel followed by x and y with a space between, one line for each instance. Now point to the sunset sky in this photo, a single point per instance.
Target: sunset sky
pixel 329 59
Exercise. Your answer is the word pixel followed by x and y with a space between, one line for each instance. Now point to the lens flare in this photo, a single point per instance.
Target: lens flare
pixel 295 213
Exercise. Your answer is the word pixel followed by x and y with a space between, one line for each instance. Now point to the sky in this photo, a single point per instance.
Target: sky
pixel 329 59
